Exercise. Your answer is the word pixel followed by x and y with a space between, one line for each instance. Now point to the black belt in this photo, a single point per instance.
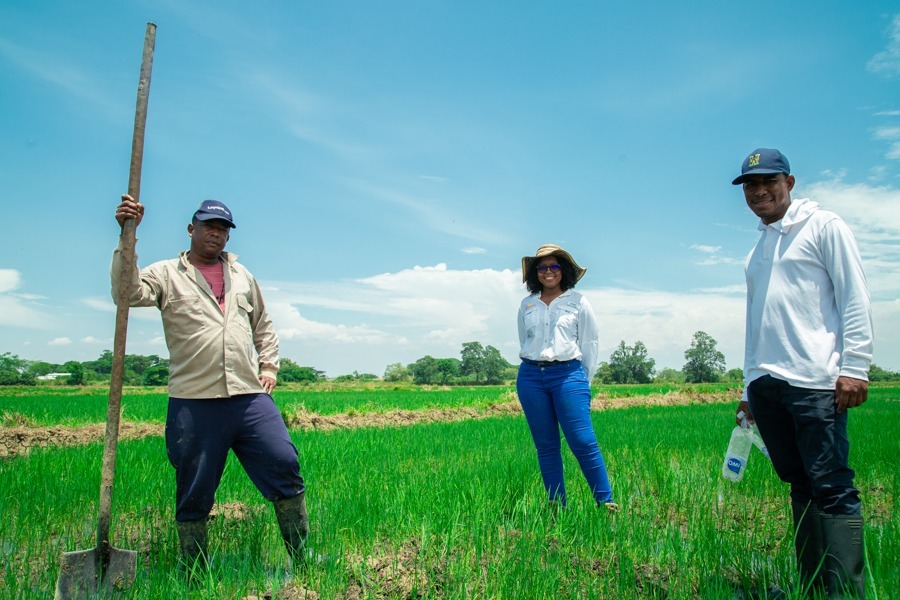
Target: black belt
pixel 547 363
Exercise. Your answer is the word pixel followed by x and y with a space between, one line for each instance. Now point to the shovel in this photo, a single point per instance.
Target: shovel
pixel 104 569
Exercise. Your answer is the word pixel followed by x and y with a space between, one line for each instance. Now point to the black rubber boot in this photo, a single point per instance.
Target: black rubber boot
pixel 809 544
pixel 193 540
pixel 293 522
pixel 845 559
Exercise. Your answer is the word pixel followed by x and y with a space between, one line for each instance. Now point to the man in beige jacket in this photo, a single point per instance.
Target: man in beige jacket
pixel 223 360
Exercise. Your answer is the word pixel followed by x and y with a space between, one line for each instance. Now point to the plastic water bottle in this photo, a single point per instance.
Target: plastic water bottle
pixel 738 452
pixel 758 441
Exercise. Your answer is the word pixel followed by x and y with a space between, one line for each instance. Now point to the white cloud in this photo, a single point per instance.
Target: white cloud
pixel 666 321
pixel 145 313
pixel 890 134
pixel 100 304
pixel 726 289
pixel 473 250
pixel 10 280
pixel 434 178
pixel 368 323
pixel 886 315
pixel 887 62
pixel 60 341
pixel 14 312
pixel 873 213
pixel 894 151
pixel 878 173
pixel 400 317
pixel 19 309
pixel 712 255
pixel 887 133
pixel 294 326
pixel 92 340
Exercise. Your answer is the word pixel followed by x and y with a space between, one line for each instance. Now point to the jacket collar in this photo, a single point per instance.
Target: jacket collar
pixel 228 258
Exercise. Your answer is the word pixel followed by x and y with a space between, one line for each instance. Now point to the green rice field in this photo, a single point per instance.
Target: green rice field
pixel 443 509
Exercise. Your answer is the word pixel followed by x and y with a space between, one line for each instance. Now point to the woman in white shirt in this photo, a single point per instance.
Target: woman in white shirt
pixel 558 337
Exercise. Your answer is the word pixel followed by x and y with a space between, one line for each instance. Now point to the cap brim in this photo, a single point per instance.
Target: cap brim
pixel 211 217
pixel 742 177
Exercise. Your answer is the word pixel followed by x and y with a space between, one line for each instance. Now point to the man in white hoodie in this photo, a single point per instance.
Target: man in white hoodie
pixel 807 353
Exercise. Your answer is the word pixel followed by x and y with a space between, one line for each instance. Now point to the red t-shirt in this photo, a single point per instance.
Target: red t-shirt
pixel 215 277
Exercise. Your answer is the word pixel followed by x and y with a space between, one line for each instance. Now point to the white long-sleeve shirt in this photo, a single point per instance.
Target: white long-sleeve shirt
pixel 809 318
pixel 567 329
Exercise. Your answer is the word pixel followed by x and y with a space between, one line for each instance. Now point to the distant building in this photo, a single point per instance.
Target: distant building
pixel 52 376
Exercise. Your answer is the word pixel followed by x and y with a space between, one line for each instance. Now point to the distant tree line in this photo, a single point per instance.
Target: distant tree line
pixel 291 372
pixel 477 365
pixel 632 364
pixel 704 363
pixel 139 370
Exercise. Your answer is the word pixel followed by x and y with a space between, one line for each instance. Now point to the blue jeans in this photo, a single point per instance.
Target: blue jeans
pixel 807 440
pixel 199 434
pixel 559 396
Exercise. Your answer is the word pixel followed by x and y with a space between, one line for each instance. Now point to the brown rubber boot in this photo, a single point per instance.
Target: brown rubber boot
pixel 845 559
pixel 192 536
pixel 809 544
pixel 293 522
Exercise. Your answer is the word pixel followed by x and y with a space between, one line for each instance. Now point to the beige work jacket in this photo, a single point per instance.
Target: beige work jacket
pixel 211 354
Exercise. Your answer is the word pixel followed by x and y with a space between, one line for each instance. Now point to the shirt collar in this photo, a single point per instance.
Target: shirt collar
pixel 568 292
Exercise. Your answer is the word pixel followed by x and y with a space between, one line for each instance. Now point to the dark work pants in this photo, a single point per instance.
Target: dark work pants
pixel 807 440
pixel 199 434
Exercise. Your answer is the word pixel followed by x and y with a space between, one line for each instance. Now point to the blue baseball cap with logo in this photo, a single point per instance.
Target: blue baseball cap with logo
pixel 763 161
pixel 213 209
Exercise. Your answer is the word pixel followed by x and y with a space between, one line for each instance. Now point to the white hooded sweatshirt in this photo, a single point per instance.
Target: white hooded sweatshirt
pixel 809 318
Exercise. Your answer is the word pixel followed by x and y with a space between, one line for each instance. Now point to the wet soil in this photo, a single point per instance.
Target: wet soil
pixel 16 441
pixel 388 572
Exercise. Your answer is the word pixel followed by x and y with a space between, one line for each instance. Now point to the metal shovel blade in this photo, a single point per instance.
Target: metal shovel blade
pixel 80 575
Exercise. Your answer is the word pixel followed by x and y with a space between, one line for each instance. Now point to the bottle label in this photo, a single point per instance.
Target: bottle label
pixel 734 465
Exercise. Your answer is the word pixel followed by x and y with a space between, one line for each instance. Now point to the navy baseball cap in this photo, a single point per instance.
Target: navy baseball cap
pixel 213 209
pixel 763 161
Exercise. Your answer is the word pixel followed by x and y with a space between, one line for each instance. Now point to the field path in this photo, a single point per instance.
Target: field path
pixel 19 440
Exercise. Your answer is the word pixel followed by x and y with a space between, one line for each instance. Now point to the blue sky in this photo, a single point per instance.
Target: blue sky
pixel 389 163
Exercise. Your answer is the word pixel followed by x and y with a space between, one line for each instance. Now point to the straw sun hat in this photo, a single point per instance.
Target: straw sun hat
pixel 550 250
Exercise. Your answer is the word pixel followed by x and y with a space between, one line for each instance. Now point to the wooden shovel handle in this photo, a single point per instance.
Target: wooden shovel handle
pixel 114 409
